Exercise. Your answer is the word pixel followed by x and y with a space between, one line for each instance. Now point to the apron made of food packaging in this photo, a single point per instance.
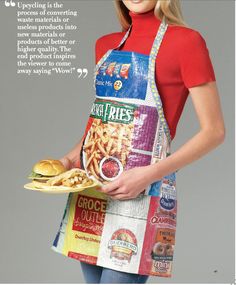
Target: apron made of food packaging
pixel 126 129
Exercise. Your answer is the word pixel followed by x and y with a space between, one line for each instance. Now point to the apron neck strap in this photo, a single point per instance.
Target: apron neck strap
pixel 154 49
pixel 151 77
pixel 124 38
pixel 158 37
pixel 105 56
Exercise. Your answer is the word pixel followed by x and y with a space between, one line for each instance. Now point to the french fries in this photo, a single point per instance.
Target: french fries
pixel 105 140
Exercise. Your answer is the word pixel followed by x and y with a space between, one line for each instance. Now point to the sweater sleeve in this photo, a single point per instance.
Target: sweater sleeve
pixel 97 57
pixel 99 50
pixel 195 62
pixel 96 52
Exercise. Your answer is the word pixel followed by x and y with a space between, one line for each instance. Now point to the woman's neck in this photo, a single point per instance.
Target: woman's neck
pixel 144 23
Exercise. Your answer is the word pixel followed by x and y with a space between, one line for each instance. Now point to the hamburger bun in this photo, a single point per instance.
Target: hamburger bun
pixel 45 169
pixel 49 167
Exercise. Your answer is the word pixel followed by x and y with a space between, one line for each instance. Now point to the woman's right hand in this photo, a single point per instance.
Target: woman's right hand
pixel 68 164
pixel 71 159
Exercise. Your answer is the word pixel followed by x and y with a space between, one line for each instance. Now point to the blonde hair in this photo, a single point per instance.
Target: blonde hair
pixel 170 9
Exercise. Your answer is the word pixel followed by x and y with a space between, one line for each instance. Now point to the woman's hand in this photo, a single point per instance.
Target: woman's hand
pixel 68 164
pixel 129 184
pixel 71 159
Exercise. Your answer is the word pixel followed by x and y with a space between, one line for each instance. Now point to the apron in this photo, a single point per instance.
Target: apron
pixel 126 128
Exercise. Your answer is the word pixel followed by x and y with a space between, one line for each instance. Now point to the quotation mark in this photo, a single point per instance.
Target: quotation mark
pixel 81 71
pixel 9 3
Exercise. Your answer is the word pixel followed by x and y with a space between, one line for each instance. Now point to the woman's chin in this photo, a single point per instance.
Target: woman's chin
pixel 139 10
pixel 140 6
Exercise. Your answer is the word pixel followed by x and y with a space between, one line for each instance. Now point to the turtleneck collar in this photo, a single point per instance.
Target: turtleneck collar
pixel 144 23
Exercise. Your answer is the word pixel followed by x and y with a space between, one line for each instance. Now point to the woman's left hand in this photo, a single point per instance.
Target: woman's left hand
pixel 129 184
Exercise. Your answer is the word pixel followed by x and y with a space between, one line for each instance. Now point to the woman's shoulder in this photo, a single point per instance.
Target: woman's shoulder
pixel 110 36
pixel 186 34
pixel 109 40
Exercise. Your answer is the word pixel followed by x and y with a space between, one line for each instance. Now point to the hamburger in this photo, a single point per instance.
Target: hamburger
pixel 44 170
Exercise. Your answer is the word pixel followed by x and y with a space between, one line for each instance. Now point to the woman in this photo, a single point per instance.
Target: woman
pixel 124 231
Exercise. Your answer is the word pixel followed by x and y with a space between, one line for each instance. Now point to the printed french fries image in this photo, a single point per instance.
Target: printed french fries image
pixel 106 149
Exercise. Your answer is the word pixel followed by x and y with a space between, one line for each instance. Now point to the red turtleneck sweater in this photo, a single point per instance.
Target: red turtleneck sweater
pixel 183 60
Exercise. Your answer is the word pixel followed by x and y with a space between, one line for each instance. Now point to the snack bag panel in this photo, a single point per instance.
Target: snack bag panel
pixel 158 247
pixel 82 230
pixel 123 76
pixel 121 136
pixel 121 246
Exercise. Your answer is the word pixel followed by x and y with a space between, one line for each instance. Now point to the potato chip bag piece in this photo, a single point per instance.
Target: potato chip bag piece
pixel 110 68
pixel 124 72
pixel 103 68
pixel 117 70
